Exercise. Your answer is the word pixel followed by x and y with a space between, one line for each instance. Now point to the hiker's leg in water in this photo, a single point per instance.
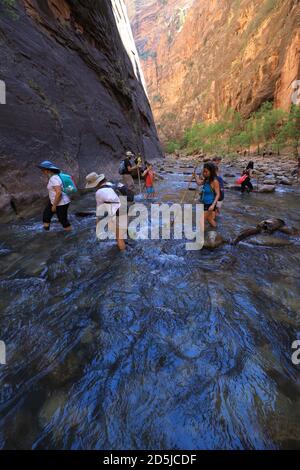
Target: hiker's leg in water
pixel 249 186
pixel 62 215
pixel 119 236
pixel 243 186
pixel 47 216
pixel 211 218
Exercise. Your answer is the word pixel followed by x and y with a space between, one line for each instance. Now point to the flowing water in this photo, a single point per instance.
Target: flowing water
pixel 154 348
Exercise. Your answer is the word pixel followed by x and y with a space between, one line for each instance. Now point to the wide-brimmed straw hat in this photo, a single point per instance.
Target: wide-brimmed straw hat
pixel 93 179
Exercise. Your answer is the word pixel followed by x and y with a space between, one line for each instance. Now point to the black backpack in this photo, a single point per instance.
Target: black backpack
pixel 122 167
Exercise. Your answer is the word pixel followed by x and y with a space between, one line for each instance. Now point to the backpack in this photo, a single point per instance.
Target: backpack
pixel 69 186
pixel 121 190
pixel 222 190
pixel 122 168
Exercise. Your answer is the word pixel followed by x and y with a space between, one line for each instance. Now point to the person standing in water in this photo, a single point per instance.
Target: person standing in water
pixel 246 184
pixel 59 201
pixel 217 162
pixel 107 197
pixel 127 169
pixel 210 192
pixel 149 180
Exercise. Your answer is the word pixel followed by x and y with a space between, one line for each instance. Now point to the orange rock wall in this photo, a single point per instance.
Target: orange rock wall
pixel 201 57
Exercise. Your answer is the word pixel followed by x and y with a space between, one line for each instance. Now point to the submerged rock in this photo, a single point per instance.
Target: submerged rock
pixel 269 240
pixel 213 239
pixel 265 189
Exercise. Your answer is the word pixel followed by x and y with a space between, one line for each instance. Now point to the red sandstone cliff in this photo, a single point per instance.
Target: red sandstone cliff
pixel 200 57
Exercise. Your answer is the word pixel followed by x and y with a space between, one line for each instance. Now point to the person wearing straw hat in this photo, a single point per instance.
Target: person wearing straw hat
pixel 128 169
pixel 59 201
pixel 105 195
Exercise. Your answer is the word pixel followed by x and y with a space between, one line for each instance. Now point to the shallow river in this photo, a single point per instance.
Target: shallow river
pixel 154 348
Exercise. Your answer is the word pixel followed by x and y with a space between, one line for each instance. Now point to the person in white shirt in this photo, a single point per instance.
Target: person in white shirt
pixel 107 197
pixel 58 200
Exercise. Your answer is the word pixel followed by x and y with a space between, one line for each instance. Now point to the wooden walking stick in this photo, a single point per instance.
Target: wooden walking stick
pixel 139 177
pixel 185 193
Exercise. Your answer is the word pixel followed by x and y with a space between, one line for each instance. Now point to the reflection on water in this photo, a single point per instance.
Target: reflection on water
pixel 153 348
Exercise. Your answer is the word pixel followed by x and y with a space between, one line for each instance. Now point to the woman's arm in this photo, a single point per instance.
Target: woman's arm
pixel 216 188
pixel 197 178
pixel 58 194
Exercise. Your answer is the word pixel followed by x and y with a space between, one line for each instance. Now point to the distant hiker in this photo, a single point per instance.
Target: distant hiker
pixel 210 192
pixel 58 199
pixel 126 168
pixel 246 178
pixel 107 196
pixel 217 162
pixel 149 175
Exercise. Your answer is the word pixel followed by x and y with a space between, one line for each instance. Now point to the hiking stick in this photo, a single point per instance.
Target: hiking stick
pixel 139 177
pixel 185 192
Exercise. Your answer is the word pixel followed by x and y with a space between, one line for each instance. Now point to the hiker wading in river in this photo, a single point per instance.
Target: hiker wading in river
pixel 59 201
pixel 210 194
pixel 126 168
pixel 105 195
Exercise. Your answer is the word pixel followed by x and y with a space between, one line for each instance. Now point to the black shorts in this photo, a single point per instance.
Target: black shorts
pixel 207 206
pixel 61 212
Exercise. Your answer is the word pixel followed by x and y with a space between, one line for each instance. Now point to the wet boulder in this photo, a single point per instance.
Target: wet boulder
pixel 270 181
pixel 269 240
pixel 268 188
pixel 213 239
pixel 285 181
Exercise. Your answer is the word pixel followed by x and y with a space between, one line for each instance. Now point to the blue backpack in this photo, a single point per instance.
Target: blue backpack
pixel 69 186
pixel 222 189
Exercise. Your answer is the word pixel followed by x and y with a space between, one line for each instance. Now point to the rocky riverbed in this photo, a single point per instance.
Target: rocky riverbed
pixel 157 347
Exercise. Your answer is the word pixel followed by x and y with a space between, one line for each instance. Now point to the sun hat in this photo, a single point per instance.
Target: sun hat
pixel 47 165
pixel 93 179
pixel 129 154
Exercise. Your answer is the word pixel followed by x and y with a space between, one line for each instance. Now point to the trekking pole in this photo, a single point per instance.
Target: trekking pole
pixel 139 177
pixel 185 192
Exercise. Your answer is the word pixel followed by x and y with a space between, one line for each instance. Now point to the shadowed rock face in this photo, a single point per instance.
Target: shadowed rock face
pixel 200 57
pixel 72 95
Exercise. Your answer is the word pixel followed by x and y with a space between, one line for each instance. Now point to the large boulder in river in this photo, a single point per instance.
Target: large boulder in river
pixel 285 181
pixel 213 239
pixel 265 189
pixel 75 93
pixel 270 181
pixel 269 240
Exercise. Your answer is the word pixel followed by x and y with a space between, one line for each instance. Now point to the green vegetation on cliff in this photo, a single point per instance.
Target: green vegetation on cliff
pixel 267 127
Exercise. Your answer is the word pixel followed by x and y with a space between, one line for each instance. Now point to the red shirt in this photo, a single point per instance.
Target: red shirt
pixel 149 179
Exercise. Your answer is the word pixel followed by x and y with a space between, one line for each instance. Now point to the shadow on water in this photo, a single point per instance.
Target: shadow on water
pixel 153 348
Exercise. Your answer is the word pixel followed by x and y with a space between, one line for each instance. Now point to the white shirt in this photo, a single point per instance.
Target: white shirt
pixel 56 181
pixel 107 195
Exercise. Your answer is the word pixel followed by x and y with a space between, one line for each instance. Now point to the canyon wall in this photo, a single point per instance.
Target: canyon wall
pixel 74 93
pixel 202 57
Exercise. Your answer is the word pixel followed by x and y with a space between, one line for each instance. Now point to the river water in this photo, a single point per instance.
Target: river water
pixel 154 348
